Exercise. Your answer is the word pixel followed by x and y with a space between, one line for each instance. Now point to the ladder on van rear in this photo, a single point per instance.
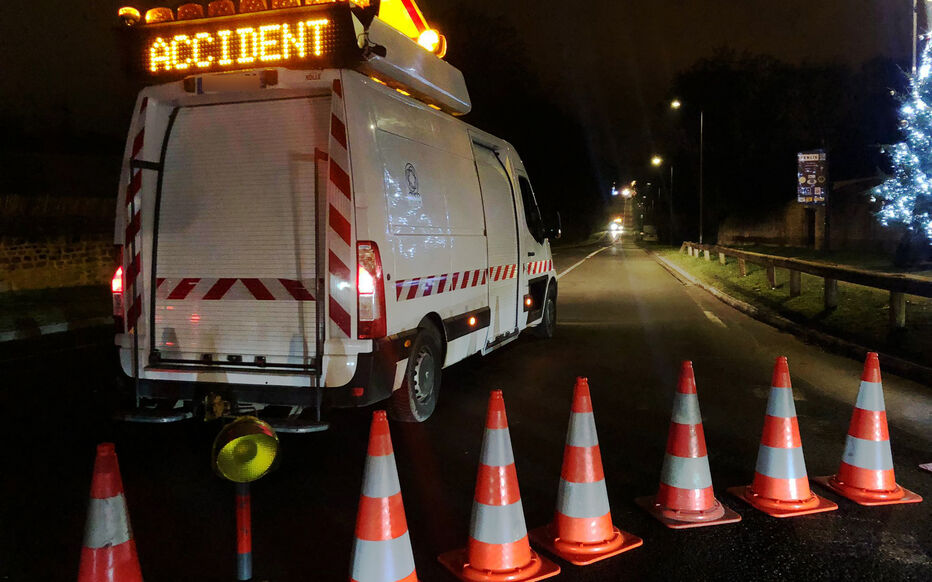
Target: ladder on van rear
pixel 237 243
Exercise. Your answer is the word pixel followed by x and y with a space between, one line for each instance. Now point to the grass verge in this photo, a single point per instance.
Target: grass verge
pixel 862 315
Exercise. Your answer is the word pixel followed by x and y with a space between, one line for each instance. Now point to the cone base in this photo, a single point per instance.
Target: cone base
pixel 852 493
pixel 648 504
pixel 743 493
pixel 457 562
pixel 545 537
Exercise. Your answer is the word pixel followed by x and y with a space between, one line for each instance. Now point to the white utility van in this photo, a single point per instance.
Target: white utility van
pixel 296 238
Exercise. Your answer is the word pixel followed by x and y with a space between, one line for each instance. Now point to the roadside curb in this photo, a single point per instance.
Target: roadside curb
pixel 894 364
pixel 52 328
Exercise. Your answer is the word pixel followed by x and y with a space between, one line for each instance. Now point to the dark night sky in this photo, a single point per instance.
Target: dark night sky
pixel 614 61
pixel 610 61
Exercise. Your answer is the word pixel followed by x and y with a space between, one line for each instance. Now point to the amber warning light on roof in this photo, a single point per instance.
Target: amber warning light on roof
pixel 306 37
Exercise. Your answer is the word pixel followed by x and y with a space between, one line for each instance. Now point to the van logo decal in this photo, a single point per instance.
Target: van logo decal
pixel 411 179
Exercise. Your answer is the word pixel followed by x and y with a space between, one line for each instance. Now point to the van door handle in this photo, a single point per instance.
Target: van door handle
pixel 530 253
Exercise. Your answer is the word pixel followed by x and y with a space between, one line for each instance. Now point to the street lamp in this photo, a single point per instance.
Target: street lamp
pixel 676 104
pixel 657 161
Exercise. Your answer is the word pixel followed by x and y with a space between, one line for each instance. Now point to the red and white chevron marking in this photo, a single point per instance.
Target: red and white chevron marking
pixel 341 256
pixel 233 289
pixel 406 289
pixel 503 272
pixel 131 238
pixel 537 267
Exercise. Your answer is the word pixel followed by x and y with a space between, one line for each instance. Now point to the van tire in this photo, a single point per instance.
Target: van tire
pixel 548 321
pixel 417 397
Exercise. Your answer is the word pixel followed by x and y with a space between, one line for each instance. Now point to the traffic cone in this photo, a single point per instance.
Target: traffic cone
pixel 685 498
pixel 866 472
pixel 109 552
pixel 781 485
pixel 498 549
pixel 582 531
pixel 382 548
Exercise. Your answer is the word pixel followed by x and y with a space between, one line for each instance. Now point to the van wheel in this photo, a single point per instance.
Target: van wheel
pixel 417 397
pixel 549 320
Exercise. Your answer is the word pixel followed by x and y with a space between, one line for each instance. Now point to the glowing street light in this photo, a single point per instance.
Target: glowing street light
pixel 626 192
pixel 656 161
pixel 676 104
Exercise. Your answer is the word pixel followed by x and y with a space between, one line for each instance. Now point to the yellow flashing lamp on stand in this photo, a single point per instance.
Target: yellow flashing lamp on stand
pixel 244 451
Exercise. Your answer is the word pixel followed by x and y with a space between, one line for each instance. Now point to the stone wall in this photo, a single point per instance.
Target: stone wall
pixel 62 261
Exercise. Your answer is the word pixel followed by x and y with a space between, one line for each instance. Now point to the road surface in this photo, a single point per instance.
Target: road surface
pixel 623 321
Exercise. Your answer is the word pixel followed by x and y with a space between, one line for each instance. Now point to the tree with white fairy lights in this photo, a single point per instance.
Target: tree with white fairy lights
pixel 907 195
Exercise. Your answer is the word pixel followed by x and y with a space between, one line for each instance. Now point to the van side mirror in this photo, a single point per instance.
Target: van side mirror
pixel 554 230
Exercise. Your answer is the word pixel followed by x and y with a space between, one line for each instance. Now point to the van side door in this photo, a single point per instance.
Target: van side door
pixel 499 208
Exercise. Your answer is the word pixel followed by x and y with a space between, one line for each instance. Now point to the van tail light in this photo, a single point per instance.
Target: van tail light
pixel 116 291
pixel 370 291
pixel 116 284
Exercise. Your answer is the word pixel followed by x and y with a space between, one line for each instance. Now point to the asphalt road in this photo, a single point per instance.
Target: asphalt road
pixel 624 322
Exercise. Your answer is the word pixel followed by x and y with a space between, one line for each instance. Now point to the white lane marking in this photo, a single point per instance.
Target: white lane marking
pixel 713 318
pixel 589 256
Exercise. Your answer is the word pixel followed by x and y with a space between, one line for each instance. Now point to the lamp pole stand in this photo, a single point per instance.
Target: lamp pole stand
pixel 243 533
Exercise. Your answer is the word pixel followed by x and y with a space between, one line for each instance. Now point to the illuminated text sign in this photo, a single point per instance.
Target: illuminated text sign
pixel 297 38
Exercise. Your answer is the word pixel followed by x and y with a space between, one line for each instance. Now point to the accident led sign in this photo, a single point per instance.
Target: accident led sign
pixel 306 37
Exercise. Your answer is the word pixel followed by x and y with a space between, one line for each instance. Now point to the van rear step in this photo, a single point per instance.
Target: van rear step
pixel 297 424
pixel 157 412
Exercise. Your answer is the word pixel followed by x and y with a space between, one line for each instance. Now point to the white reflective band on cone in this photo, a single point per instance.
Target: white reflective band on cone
pixel 386 561
pixel 865 454
pixel 780 404
pixel 781 463
pixel 685 472
pixel 584 500
pixel 380 478
pixel 497 524
pixel 870 397
pixel 107 523
pixel 496 448
pixel 686 409
pixel 582 430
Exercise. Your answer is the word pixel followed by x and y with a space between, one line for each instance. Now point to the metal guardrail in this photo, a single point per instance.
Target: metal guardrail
pixel 898 285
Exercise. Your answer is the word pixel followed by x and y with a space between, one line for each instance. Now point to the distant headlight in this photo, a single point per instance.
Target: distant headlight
pixel 614 227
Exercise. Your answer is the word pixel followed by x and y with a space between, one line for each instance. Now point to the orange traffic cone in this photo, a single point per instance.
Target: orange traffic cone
pixel 582 530
pixel 382 548
pixel 109 552
pixel 685 498
pixel 866 472
pixel 781 484
pixel 498 549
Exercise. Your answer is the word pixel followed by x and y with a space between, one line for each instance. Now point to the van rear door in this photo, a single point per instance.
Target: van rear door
pixel 237 246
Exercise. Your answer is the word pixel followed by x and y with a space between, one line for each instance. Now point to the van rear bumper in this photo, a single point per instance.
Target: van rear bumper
pixel 372 381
